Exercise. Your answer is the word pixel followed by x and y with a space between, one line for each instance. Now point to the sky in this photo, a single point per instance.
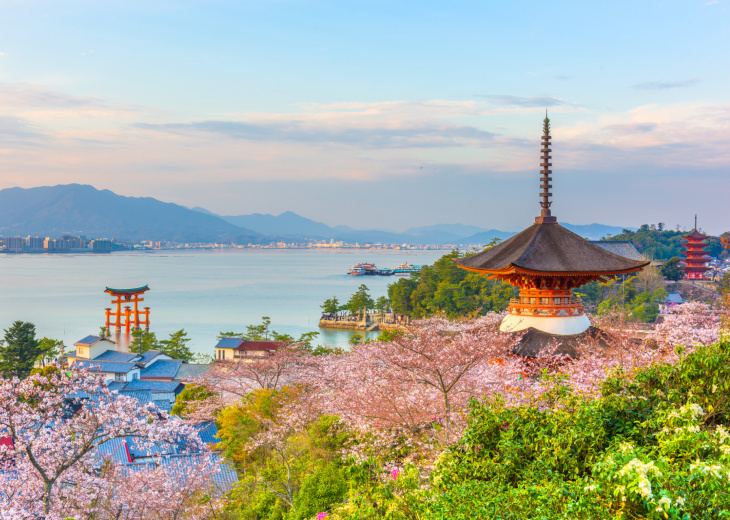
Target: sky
pixel 376 114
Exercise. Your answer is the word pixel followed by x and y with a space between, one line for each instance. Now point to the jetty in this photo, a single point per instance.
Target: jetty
pixel 368 322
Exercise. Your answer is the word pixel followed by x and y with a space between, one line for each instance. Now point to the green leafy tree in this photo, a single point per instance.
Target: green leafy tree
pixel 190 394
pixel 330 306
pixel 446 288
pixel 49 350
pixel 671 269
pixel 275 472
pixel 103 332
pixel 360 301
pixel 177 346
pixel 382 303
pixel 142 341
pixel 19 351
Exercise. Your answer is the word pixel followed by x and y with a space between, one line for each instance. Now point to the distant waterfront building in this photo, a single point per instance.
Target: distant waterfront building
pixel 547 261
pixel 695 256
pixel 14 244
pixel 34 244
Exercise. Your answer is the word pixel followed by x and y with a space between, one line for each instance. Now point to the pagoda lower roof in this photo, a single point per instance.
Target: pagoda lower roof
pixel 127 291
pixel 549 248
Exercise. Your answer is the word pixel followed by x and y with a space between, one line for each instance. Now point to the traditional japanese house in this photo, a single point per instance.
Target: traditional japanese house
pixel 547 261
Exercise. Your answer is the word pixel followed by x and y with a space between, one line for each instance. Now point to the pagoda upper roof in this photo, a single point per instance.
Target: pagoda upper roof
pixel 127 291
pixel 549 248
pixel 696 235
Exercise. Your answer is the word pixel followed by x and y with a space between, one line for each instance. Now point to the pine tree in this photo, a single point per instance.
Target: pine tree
pixel 19 351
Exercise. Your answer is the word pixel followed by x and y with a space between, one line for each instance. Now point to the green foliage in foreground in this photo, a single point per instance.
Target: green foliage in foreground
pixel 445 288
pixel 655 446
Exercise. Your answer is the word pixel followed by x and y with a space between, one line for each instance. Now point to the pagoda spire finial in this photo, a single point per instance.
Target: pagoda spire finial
pixel 545 175
pixel 695 220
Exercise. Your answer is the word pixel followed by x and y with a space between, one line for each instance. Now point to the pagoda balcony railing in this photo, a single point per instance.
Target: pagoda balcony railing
pixel 523 308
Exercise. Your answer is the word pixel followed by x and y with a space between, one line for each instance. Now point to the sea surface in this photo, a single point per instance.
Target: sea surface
pixel 204 292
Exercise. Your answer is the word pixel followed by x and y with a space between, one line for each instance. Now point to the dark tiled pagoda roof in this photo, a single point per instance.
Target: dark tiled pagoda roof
pixel 549 248
pixel 620 247
pixel 696 235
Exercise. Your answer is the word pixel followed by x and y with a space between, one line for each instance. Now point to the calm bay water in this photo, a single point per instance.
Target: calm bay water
pixel 204 292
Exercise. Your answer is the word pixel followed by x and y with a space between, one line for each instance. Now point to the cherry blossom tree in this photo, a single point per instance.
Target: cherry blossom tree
pixel 689 325
pixel 53 426
pixel 229 381
pixel 423 376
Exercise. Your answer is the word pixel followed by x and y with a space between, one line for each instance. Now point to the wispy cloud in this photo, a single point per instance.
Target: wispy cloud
pixel 414 135
pixel 525 102
pixel 86 53
pixel 713 2
pixel 665 85
pixel 15 129
pixel 3 54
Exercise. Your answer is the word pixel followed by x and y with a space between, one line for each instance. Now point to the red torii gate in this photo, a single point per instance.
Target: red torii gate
pixel 129 317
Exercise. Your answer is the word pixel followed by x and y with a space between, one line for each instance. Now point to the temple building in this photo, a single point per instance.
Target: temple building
pixel 547 261
pixel 695 256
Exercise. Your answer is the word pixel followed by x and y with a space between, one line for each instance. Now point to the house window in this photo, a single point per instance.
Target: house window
pixel 119 377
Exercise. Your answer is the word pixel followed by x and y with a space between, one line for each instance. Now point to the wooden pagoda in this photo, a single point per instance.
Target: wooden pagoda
pixel 547 261
pixel 695 256
pixel 129 317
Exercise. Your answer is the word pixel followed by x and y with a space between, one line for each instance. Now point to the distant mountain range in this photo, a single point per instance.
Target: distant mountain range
pixel 81 209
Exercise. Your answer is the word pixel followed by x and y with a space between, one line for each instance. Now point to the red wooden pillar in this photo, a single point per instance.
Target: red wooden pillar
pixel 127 316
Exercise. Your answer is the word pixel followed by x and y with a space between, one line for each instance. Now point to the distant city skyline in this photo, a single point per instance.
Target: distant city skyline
pixel 375 114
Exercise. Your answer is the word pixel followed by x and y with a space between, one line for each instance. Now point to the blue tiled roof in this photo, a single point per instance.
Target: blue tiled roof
pixel 139 448
pixel 143 396
pixel 116 385
pixel 223 480
pixel 163 404
pixel 88 340
pixel 116 367
pixel 154 386
pixel 113 449
pixel 161 369
pixel 113 355
pixel 229 342
pixel 674 297
pixel 146 356
pixel 207 432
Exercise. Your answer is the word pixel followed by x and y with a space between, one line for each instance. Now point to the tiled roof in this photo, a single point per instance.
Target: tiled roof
pixel 154 386
pixel 113 355
pixel 115 385
pixel 674 297
pixel 207 432
pixel 163 404
pixel 260 345
pixel 620 247
pixel 549 247
pixel 188 371
pixel 229 343
pixel 88 341
pixel 115 367
pixel 147 356
pixel 161 369
pixel 224 479
pixel 113 450
pixel 143 396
